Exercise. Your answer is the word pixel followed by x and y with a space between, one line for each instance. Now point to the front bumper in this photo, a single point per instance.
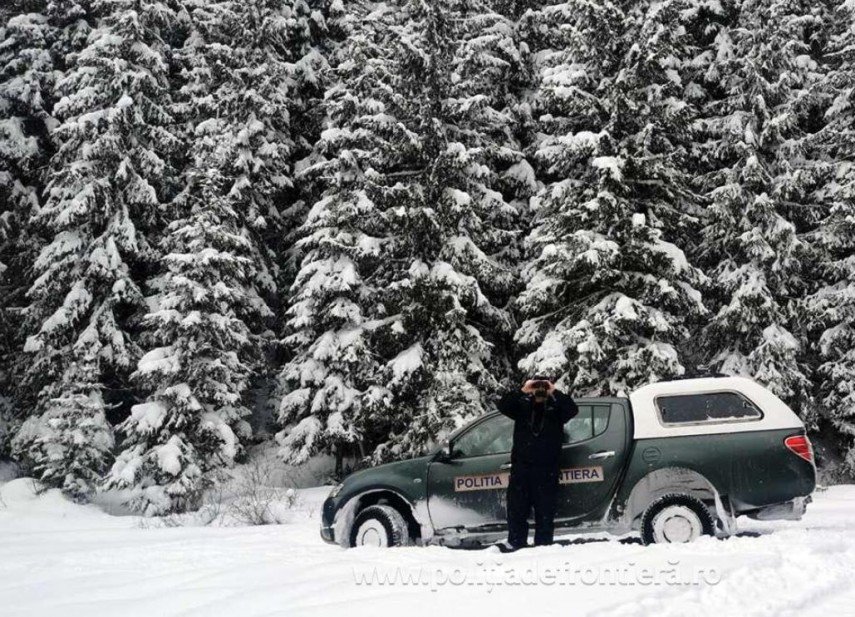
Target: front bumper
pixel 327 521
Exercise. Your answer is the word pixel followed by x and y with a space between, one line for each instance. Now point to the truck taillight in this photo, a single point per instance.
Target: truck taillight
pixel 800 445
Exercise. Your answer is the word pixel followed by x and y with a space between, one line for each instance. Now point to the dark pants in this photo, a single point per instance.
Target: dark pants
pixel 531 487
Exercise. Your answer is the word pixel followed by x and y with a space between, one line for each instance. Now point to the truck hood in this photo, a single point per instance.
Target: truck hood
pixel 413 467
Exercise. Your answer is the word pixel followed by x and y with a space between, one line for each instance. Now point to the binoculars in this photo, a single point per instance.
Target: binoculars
pixel 541 389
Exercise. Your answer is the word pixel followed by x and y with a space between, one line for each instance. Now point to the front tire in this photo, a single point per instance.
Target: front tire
pixel 379 526
pixel 676 518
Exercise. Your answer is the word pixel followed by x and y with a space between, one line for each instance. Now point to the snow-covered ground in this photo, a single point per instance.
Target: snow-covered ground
pixel 58 558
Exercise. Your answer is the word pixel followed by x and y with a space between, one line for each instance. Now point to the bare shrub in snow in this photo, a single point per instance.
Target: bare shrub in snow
pixel 255 495
pixel 256 501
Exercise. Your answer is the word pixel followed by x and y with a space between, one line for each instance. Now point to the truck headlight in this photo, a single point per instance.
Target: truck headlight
pixel 336 490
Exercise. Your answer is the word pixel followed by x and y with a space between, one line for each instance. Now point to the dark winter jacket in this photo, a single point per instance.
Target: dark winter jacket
pixel 538 427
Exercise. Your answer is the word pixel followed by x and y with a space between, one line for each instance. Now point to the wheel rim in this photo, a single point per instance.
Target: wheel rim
pixel 677 524
pixel 372 533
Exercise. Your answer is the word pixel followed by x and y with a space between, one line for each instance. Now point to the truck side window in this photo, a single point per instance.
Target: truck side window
pixel 492 436
pixel 601 418
pixel 707 407
pixel 591 421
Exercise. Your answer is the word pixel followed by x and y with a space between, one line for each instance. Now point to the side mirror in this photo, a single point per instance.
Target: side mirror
pixel 443 455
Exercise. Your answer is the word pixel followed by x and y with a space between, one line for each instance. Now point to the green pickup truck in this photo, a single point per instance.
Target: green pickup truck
pixel 673 461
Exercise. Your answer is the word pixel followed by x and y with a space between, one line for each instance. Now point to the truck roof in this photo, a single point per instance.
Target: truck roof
pixel 588 400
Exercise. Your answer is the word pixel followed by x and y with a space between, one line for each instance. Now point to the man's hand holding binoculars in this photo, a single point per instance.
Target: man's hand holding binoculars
pixel 540 389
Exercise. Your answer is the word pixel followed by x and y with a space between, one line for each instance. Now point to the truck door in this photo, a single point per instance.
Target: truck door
pixel 468 491
pixel 595 444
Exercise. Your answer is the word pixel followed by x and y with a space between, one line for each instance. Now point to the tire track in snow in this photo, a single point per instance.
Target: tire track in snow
pixel 792 578
pixel 841 604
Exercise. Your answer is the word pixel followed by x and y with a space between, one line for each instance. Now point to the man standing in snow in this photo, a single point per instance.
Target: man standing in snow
pixel 539 412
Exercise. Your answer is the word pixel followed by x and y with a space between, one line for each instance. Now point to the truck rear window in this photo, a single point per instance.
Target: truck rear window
pixel 707 407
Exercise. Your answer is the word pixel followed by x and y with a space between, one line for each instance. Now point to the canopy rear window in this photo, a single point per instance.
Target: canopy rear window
pixel 709 407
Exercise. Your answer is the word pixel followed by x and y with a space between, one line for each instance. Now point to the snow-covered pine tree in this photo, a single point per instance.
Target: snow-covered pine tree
pixel 610 296
pixel 26 79
pixel 833 304
pixel 833 307
pixel 490 113
pixel 35 39
pixel 457 230
pixel 193 422
pixel 762 192
pixel 330 302
pixel 70 445
pixel 403 281
pixel 241 71
pixel 105 187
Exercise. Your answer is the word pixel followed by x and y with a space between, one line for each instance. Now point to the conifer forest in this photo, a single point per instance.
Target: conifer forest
pixel 345 227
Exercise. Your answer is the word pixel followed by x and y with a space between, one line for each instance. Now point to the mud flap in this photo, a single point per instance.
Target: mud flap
pixel 726 518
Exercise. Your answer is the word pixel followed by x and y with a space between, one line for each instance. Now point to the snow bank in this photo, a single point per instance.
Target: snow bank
pixel 23 508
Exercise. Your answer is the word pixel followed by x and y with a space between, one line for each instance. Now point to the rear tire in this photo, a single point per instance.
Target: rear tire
pixel 676 518
pixel 379 526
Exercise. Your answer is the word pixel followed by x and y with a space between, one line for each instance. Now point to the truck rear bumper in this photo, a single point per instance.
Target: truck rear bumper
pixel 789 510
